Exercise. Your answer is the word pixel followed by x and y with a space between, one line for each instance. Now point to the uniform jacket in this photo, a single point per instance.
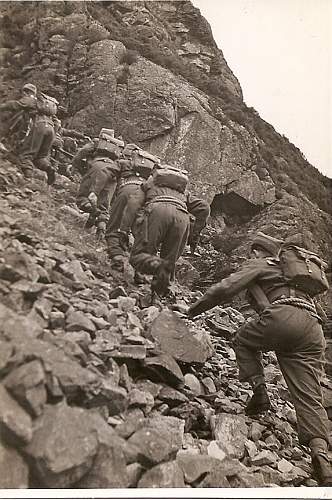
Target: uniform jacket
pixel 23 109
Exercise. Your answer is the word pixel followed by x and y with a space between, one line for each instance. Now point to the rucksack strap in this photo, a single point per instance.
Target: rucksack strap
pixel 259 296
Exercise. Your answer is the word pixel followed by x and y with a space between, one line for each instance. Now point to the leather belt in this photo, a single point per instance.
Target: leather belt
pixel 172 200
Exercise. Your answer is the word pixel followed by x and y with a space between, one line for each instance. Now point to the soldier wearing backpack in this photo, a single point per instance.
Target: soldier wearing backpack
pixel 18 123
pixel 99 181
pixel 165 224
pixel 136 166
pixel 282 289
pixel 36 147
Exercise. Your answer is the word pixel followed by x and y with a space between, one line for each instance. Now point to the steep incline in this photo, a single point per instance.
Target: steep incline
pixel 94 378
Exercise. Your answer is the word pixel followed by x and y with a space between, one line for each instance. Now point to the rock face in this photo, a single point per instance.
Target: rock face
pixel 174 338
pixel 101 385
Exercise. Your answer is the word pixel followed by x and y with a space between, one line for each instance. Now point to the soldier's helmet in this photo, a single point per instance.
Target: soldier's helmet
pixel 30 87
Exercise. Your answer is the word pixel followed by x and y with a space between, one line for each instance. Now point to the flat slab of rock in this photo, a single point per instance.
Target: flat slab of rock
pixel 194 466
pixel 77 321
pixel 166 368
pixel 159 439
pixel 129 352
pixel 27 384
pixel 71 376
pixel 12 325
pixel 220 475
pixel 265 457
pixel 231 432
pixel 63 446
pixel 108 469
pixel 110 395
pixel 172 397
pixel 166 475
pixel 15 423
pixel 14 472
pixel 175 339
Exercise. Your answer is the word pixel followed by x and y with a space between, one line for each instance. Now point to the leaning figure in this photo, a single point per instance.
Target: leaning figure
pixel 281 280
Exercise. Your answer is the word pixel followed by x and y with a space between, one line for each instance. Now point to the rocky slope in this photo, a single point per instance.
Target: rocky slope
pixel 94 376
pixel 101 387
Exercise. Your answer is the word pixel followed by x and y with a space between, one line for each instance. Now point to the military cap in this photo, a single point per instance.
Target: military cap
pixel 31 87
pixel 268 243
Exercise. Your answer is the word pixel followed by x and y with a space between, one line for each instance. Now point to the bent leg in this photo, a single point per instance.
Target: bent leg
pixel 302 372
pixel 149 233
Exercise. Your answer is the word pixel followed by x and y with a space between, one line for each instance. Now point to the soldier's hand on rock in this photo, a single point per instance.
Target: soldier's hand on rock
pixel 181 308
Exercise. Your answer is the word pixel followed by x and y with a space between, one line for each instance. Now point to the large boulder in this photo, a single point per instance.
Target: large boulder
pixel 63 446
pixel 27 384
pixel 158 440
pixel 231 432
pixel 174 338
pixel 166 475
pixel 15 423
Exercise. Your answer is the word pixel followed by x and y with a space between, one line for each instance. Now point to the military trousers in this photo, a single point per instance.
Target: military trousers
pixel 100 180
pixel 163 226
pixel 124 210
pixel 36 147
pixel 297 338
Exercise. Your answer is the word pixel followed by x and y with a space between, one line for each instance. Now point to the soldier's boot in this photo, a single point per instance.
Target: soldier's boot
pixel 91 221
pixel 260 401
pixel 45 165
pixel 101 231
pixel 118 263
pixel 51 175
pixel 320 461
pixel 140 279
pixel 161 279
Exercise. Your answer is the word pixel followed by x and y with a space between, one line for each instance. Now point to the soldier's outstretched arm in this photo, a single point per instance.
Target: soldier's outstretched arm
pixel 227 288
pixel 10 106
pixel 67 132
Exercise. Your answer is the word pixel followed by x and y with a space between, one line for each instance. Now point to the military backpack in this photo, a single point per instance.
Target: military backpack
pixel 143 162
pixel 46 105
pixel 171 177
pixel 108 146
pixel 303 269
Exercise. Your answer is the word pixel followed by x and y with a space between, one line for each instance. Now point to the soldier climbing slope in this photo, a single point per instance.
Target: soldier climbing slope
pixel 99 182
pixel 18 123
pixel 281 289
pixel 136 167
pixel 165 223
pixel 36 147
